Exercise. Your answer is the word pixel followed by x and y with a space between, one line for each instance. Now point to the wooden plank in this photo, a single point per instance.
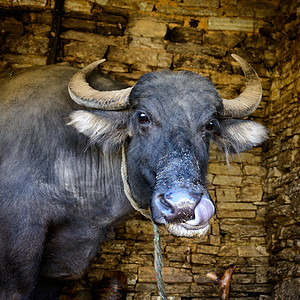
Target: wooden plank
pixel 55 31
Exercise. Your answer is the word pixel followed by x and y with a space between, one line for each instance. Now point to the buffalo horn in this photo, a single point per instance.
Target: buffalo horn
pixel 246 103
pixel 82 93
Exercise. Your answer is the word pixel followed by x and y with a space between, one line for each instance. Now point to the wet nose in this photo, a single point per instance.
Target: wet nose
pixel 178 205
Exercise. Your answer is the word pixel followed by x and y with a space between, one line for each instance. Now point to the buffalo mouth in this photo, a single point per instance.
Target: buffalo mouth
pixel 198 223
pixel 185 230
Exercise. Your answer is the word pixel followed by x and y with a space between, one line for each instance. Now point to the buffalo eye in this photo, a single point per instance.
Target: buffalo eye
pixel 211 125
pixel 143 118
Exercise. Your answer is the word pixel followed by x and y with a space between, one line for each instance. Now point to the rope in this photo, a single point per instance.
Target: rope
pixel 158 262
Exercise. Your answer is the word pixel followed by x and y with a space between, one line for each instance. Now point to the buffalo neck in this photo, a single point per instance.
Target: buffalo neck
pixel 89 181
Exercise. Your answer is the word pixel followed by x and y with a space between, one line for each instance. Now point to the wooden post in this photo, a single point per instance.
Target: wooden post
pixel 55 31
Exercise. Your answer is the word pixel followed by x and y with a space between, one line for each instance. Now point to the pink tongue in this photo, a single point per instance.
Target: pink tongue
pixel 203 212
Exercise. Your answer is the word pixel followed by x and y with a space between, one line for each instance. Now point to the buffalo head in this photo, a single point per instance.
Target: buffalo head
pixel 167 121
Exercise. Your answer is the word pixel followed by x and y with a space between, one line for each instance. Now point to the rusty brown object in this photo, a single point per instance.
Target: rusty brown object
pixel 113 286
pixel 223 282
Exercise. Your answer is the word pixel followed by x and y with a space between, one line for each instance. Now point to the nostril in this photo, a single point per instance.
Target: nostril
pixel 196 198
pixel 164 202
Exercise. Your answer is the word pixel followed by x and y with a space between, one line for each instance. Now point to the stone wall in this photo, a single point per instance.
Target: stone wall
pixel 282 159
pixel 198 35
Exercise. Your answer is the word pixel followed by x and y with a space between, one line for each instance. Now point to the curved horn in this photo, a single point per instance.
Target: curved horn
pixel 246 103
pixel 82 93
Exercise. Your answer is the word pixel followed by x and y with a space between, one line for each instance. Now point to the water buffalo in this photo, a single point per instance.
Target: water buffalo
pixel 61 136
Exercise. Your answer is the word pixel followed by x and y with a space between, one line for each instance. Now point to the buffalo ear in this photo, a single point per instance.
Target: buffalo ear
pixel 108 129
pixel 236 136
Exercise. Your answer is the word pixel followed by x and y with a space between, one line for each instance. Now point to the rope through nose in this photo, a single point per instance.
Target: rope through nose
pixel 158 262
